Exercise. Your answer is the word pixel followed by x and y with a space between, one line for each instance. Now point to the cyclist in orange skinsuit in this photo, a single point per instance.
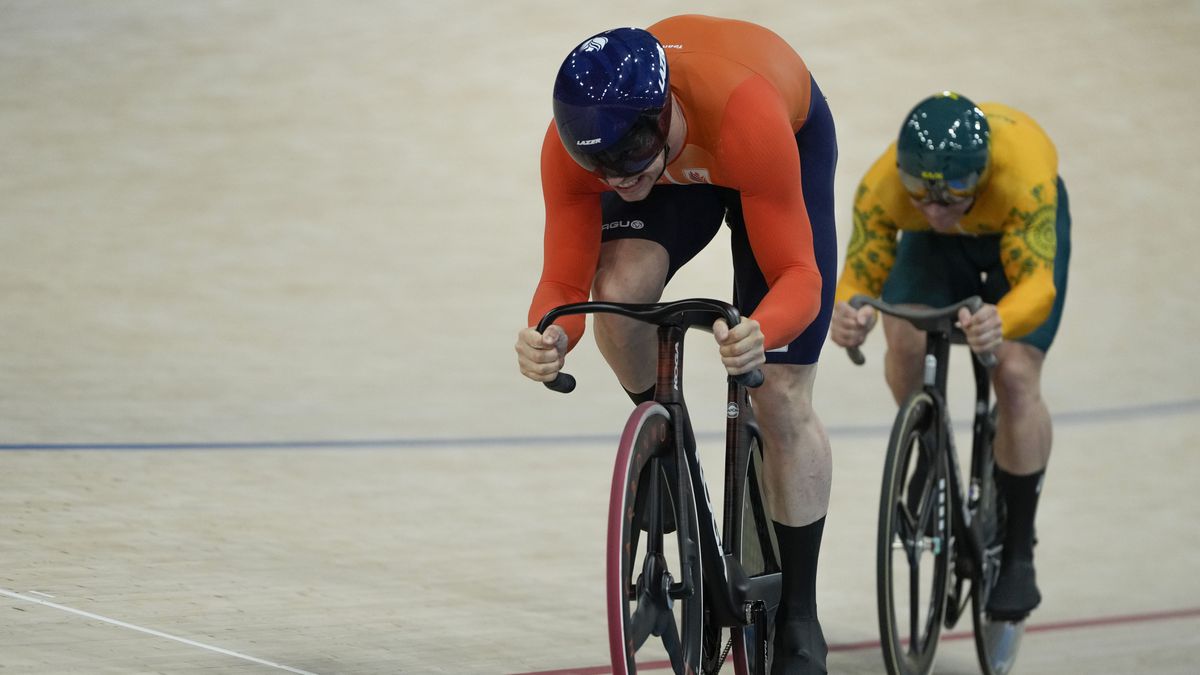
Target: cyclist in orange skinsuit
pixel 659 136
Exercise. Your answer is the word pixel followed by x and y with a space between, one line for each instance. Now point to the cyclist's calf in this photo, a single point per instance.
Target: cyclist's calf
pixel 1023 429
pixel 798 460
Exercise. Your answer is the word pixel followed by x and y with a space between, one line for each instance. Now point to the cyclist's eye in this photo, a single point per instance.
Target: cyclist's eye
pixel 963 186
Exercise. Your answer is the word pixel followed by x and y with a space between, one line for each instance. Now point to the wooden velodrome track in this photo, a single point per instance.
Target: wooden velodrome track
pixel 263 265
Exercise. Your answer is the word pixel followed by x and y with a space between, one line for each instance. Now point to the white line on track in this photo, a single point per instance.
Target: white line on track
pixel 156 633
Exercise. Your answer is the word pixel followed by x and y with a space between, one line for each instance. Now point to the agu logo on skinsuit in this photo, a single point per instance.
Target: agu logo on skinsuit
pixel 619 224
pixel 697 175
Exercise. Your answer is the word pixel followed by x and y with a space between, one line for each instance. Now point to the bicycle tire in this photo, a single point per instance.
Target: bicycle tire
pixel 996 642
pixel 645 476
pixel 914 520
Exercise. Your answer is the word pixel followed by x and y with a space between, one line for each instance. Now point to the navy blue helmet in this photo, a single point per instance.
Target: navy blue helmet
pixel 612 102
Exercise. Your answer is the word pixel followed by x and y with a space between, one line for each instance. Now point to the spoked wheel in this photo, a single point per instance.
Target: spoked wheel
pixel 750 537
pixel 655 612
pixel 913 547
pixel 996 641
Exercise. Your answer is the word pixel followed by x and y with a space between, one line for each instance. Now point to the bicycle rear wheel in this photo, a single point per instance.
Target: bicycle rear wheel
pixel 996 642
pixel 652 549
pixel 913 547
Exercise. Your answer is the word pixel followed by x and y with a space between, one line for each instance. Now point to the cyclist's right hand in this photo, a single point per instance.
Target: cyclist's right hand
pixel 541 355
pixel 849 326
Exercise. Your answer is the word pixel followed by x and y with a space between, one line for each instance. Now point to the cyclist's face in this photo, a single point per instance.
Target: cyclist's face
pixel 637 187
pixel 943 218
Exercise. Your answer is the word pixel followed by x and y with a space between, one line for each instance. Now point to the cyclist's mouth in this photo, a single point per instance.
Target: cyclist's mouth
pixel 630 184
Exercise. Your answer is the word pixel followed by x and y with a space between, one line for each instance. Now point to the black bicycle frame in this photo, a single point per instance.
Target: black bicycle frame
pixel 721 570
pixel 937 358
pixel 940 332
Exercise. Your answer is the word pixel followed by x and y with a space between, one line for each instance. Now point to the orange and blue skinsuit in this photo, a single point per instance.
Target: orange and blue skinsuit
pixel 747 98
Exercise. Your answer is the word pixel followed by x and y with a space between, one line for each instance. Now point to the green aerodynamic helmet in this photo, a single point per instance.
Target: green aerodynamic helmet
pixel 942 151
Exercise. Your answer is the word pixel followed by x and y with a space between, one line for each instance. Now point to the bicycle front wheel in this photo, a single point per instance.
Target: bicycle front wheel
pixel 913 546
pixel 654 574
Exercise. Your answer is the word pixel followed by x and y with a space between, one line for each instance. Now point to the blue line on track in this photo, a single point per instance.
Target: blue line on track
pixel 1081 417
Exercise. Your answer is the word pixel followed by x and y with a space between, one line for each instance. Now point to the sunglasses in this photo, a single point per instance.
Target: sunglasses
pixel 941 190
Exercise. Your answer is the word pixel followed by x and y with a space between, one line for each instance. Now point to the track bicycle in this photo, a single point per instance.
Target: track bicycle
pixel 675 584
pixel 936 533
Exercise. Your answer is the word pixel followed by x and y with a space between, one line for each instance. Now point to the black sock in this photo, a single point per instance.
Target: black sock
pixel 641 398
pixel 1020 494
pixel 799 548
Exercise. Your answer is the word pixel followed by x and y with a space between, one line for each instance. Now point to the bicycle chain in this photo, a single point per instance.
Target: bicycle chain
pixel 724 655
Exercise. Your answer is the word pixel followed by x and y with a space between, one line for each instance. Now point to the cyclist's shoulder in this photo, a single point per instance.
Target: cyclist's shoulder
pixel 1023 166
pixel 1004 119
pixel 1018 143
pixel 711 56
pixel 686 33
pixel 880 196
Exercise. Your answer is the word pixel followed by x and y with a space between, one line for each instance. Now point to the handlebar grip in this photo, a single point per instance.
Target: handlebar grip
pixel 858 301
pixel 988 360
pixel 752 379
pixel 562 383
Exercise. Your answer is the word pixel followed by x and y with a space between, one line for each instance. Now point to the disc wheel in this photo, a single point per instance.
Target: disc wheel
pixel 653 616
pixel 913 545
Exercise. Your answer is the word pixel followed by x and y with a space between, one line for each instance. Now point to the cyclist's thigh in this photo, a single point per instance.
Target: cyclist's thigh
pixel 817 144
pixel 680 218
pixel 1043 336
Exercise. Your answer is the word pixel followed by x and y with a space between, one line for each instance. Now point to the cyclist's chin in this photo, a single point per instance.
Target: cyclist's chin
pixel 944 225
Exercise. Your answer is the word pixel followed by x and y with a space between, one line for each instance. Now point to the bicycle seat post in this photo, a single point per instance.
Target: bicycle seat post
pixel 937 357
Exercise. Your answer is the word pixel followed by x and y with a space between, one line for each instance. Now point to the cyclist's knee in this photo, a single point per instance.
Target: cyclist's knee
pixel 630 270
pixel 786 395
pixel 1017 375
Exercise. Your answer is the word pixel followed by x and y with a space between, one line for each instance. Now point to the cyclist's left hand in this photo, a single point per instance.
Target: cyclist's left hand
pixel 741 346
pixel 983 328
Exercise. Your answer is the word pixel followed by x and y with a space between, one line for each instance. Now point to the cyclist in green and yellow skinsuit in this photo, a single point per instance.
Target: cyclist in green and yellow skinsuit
pixel 968 201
